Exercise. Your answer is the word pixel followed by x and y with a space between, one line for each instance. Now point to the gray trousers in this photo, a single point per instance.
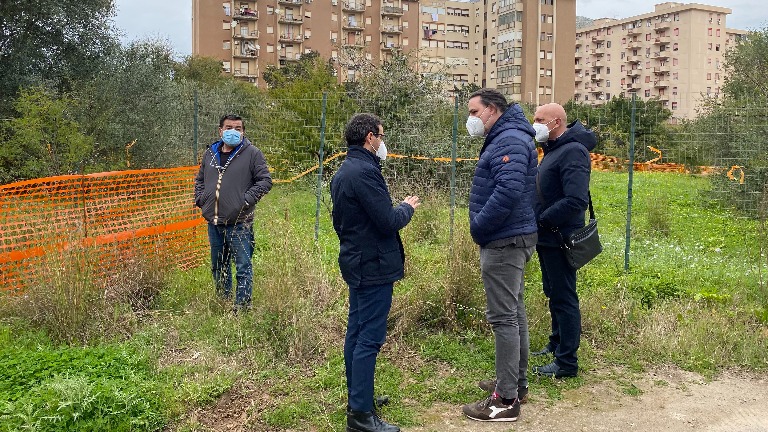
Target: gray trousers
pixel 502 271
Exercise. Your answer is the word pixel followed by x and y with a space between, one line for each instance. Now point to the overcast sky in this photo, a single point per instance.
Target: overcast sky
pixel 171 20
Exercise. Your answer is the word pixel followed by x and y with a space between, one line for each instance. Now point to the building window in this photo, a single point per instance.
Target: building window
pixel 709 31
pixel 226 25
pixel 676 31
pixel 227 9
pixel 674 91
pixel 709 76
pixel 709 47
pixel 226 45
pixel 674 62
pixel 647 37
pixel 717 32
pixel 676 17
pixel 607 83
pixel 674 76
pixel 674 105
pixel 608 44
pixel 674 46
pixel 717 47
pixel 647 93
pixel 542 54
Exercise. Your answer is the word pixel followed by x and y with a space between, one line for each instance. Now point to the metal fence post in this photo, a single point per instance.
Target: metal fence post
pixel 194 129
pixel 454 140
pixel 320 167
pixel 629 183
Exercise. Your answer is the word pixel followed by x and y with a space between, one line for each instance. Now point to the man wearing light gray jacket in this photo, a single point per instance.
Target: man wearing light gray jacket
pixel 233 177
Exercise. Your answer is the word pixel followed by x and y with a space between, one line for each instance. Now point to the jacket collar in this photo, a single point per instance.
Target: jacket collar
pixel 358 152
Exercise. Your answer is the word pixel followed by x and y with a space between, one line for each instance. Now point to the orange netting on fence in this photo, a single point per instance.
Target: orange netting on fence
pixel 142 213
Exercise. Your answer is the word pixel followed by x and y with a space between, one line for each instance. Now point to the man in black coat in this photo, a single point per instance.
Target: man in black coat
pixel 562 189
pixel 371 260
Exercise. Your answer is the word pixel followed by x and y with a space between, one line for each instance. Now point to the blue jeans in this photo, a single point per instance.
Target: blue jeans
pixel 559 284
pixel 228 241
pixel 366 332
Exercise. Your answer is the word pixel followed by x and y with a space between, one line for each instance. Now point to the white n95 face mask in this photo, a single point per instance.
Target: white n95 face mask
pixel 542 132
pixel 381 152
pixel 475 126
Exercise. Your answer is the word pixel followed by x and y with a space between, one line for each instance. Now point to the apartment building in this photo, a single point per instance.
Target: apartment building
pixel 522 47
pixel 674 54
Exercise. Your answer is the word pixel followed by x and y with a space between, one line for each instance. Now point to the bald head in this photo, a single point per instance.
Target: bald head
pixel 553 116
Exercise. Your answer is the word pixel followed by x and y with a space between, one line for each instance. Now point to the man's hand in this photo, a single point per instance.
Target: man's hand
pixel 413 201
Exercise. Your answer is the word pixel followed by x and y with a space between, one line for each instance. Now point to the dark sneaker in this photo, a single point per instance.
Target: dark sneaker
pixel 492 409
pixel 489 386
pixel 359 421
pixel 553 370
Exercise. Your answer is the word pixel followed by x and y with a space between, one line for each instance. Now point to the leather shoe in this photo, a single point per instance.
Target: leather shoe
pixel 553 370
pixel 368 421
pixel 544 351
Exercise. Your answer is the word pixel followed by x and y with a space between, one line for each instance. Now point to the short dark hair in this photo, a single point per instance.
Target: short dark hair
pixel 491 97
pixel 359 126
pixel 234 117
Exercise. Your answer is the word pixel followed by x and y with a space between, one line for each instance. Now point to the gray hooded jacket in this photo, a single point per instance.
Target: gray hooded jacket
pixel 227 191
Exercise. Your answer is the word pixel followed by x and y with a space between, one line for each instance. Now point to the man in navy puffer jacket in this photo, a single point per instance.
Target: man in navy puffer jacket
pixel 503 223
pixel 563 197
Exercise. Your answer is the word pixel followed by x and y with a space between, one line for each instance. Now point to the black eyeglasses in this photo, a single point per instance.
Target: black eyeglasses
pixel 378 135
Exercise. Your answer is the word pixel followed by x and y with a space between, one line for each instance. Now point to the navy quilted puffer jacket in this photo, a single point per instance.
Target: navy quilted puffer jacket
pixel 504 185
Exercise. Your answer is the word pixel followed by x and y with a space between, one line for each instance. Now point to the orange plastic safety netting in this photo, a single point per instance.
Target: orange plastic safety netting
pixel 141 213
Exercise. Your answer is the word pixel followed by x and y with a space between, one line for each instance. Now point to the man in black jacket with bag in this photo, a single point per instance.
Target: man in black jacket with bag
pixel 562 189
pixel 371 260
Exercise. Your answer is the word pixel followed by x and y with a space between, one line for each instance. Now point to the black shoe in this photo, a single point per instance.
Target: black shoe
pixel 489 386
pixel 544 351
pixel 553 370
pixel 362 421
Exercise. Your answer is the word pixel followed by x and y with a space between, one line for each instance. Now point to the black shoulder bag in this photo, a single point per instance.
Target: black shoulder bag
pixel 583 244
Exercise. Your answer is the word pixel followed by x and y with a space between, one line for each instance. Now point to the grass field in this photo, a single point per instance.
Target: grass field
pixel 695 296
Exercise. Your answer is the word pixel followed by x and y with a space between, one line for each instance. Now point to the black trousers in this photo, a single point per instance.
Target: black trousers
pixel 559 284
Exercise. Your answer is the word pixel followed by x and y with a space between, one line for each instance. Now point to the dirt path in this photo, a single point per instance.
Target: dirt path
pixel 669 400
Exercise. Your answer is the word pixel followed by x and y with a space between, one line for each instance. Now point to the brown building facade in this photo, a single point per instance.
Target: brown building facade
pixel 522 47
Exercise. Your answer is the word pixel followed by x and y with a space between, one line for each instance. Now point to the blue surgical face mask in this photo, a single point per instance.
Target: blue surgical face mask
pixel 231 137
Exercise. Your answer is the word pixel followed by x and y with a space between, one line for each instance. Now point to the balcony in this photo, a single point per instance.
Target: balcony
pixel 244 73
pixel 389 46
pixel 598 39
pixel 660 27
pixel 290 19
pixel 391 11
pixel 577 67
pixel 633 73
pixel 353 43
pixel 578 42
pixel 634 31
pixel 633 87
pixel 634 59
pixel 599 52
pixel 578 55
pixel 353 25
pixel 290 2
pixel 661 83
pixel 597 77
pixel 598 64
pixel 352 7
pixel 633 45
pixel 392 29
pixel 579 77
pixel 288 57
pixel 596 90
pixel 661 70
pixel 663 97
pixel 661 40
pixel 660 55
pixel 246 53
pixel 246 14
pixel 291 38
pixel 254 34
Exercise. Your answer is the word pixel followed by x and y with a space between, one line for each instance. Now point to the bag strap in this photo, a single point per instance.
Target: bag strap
pixel 591 209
